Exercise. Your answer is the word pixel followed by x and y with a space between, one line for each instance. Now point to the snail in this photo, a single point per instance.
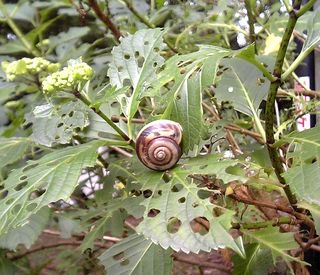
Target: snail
pixel 158 144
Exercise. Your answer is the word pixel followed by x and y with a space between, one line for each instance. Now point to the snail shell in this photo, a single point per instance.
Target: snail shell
pixel 158 144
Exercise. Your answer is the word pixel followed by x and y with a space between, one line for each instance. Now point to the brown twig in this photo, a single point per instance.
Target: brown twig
pixel 133 120
pixel 192 261
pixel 105 19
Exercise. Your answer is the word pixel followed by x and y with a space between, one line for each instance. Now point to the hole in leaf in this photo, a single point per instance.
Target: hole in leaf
pixel 153 212
pixel 204 194
pixel 155 64
pixel 124 262
pixel 176 187
pixel 30 166
pixel 4 194
pixel 195 204
pixel 119 256
pixel 182 200
pixel 60 125
pixel 21 185
pixel 23 177
pixel 126 82
pixel 136 54
pixel 36 194
pixel 147 193
pixel 127 56
pixel 156 49
pixel 71 114
pixel 120 69
pixel 200 225
pixel 160 192
pixel 146 43
pixel 140 61
pixel 173 225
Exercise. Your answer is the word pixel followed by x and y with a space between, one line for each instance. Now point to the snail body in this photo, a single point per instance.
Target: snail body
pixel 158 144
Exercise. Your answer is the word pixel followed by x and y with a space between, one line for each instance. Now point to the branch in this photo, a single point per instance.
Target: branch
pixel 105 19
pixel 270 108
pixel 273 222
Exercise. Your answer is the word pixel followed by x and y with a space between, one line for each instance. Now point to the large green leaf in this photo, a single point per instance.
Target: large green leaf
pixel 136 255
pixel 28 233
pixel 304 181
pixel 279 243
pixel 135 62
pixel 257 262
pixel 179 68
pixel 53 125
pixel 180 200
pixel 244 86
pixel 53 177
pixel 12 149
pixel 187 111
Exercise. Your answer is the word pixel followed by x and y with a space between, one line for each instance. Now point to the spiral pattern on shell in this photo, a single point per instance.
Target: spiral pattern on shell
pixel 158 144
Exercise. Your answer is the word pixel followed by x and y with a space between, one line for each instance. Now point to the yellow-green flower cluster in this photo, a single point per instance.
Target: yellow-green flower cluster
pixel 68 77
pixel 28 66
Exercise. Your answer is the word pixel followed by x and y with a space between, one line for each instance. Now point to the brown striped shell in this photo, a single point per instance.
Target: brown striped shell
pixel 158 144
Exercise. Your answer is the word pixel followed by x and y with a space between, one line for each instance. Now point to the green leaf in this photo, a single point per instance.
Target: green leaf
pixel 180 202
pixel 244 86
pixel 12 149
pixel 257 262
pixel 57 124
pixel 315 212
pixel 187 110
pixel 48 179
pixel 28 233
pixel 304 181
pixel 135 62
pixel 279 243
pixel 213 164
pixel 180 68
pixel 136 255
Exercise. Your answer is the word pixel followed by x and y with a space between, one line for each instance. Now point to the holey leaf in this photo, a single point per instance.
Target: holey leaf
pixel 134 63
pixel 173 208
pixel 57 124
pixel 48 179
pixel 136 255
pixel 244 86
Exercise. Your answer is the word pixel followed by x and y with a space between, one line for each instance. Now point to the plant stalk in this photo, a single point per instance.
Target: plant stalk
pixel 270 104
pixel 87 102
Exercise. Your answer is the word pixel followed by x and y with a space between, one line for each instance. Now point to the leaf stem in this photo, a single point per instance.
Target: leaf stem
pixel 270 104
pixel 30 48
pixel 87 102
